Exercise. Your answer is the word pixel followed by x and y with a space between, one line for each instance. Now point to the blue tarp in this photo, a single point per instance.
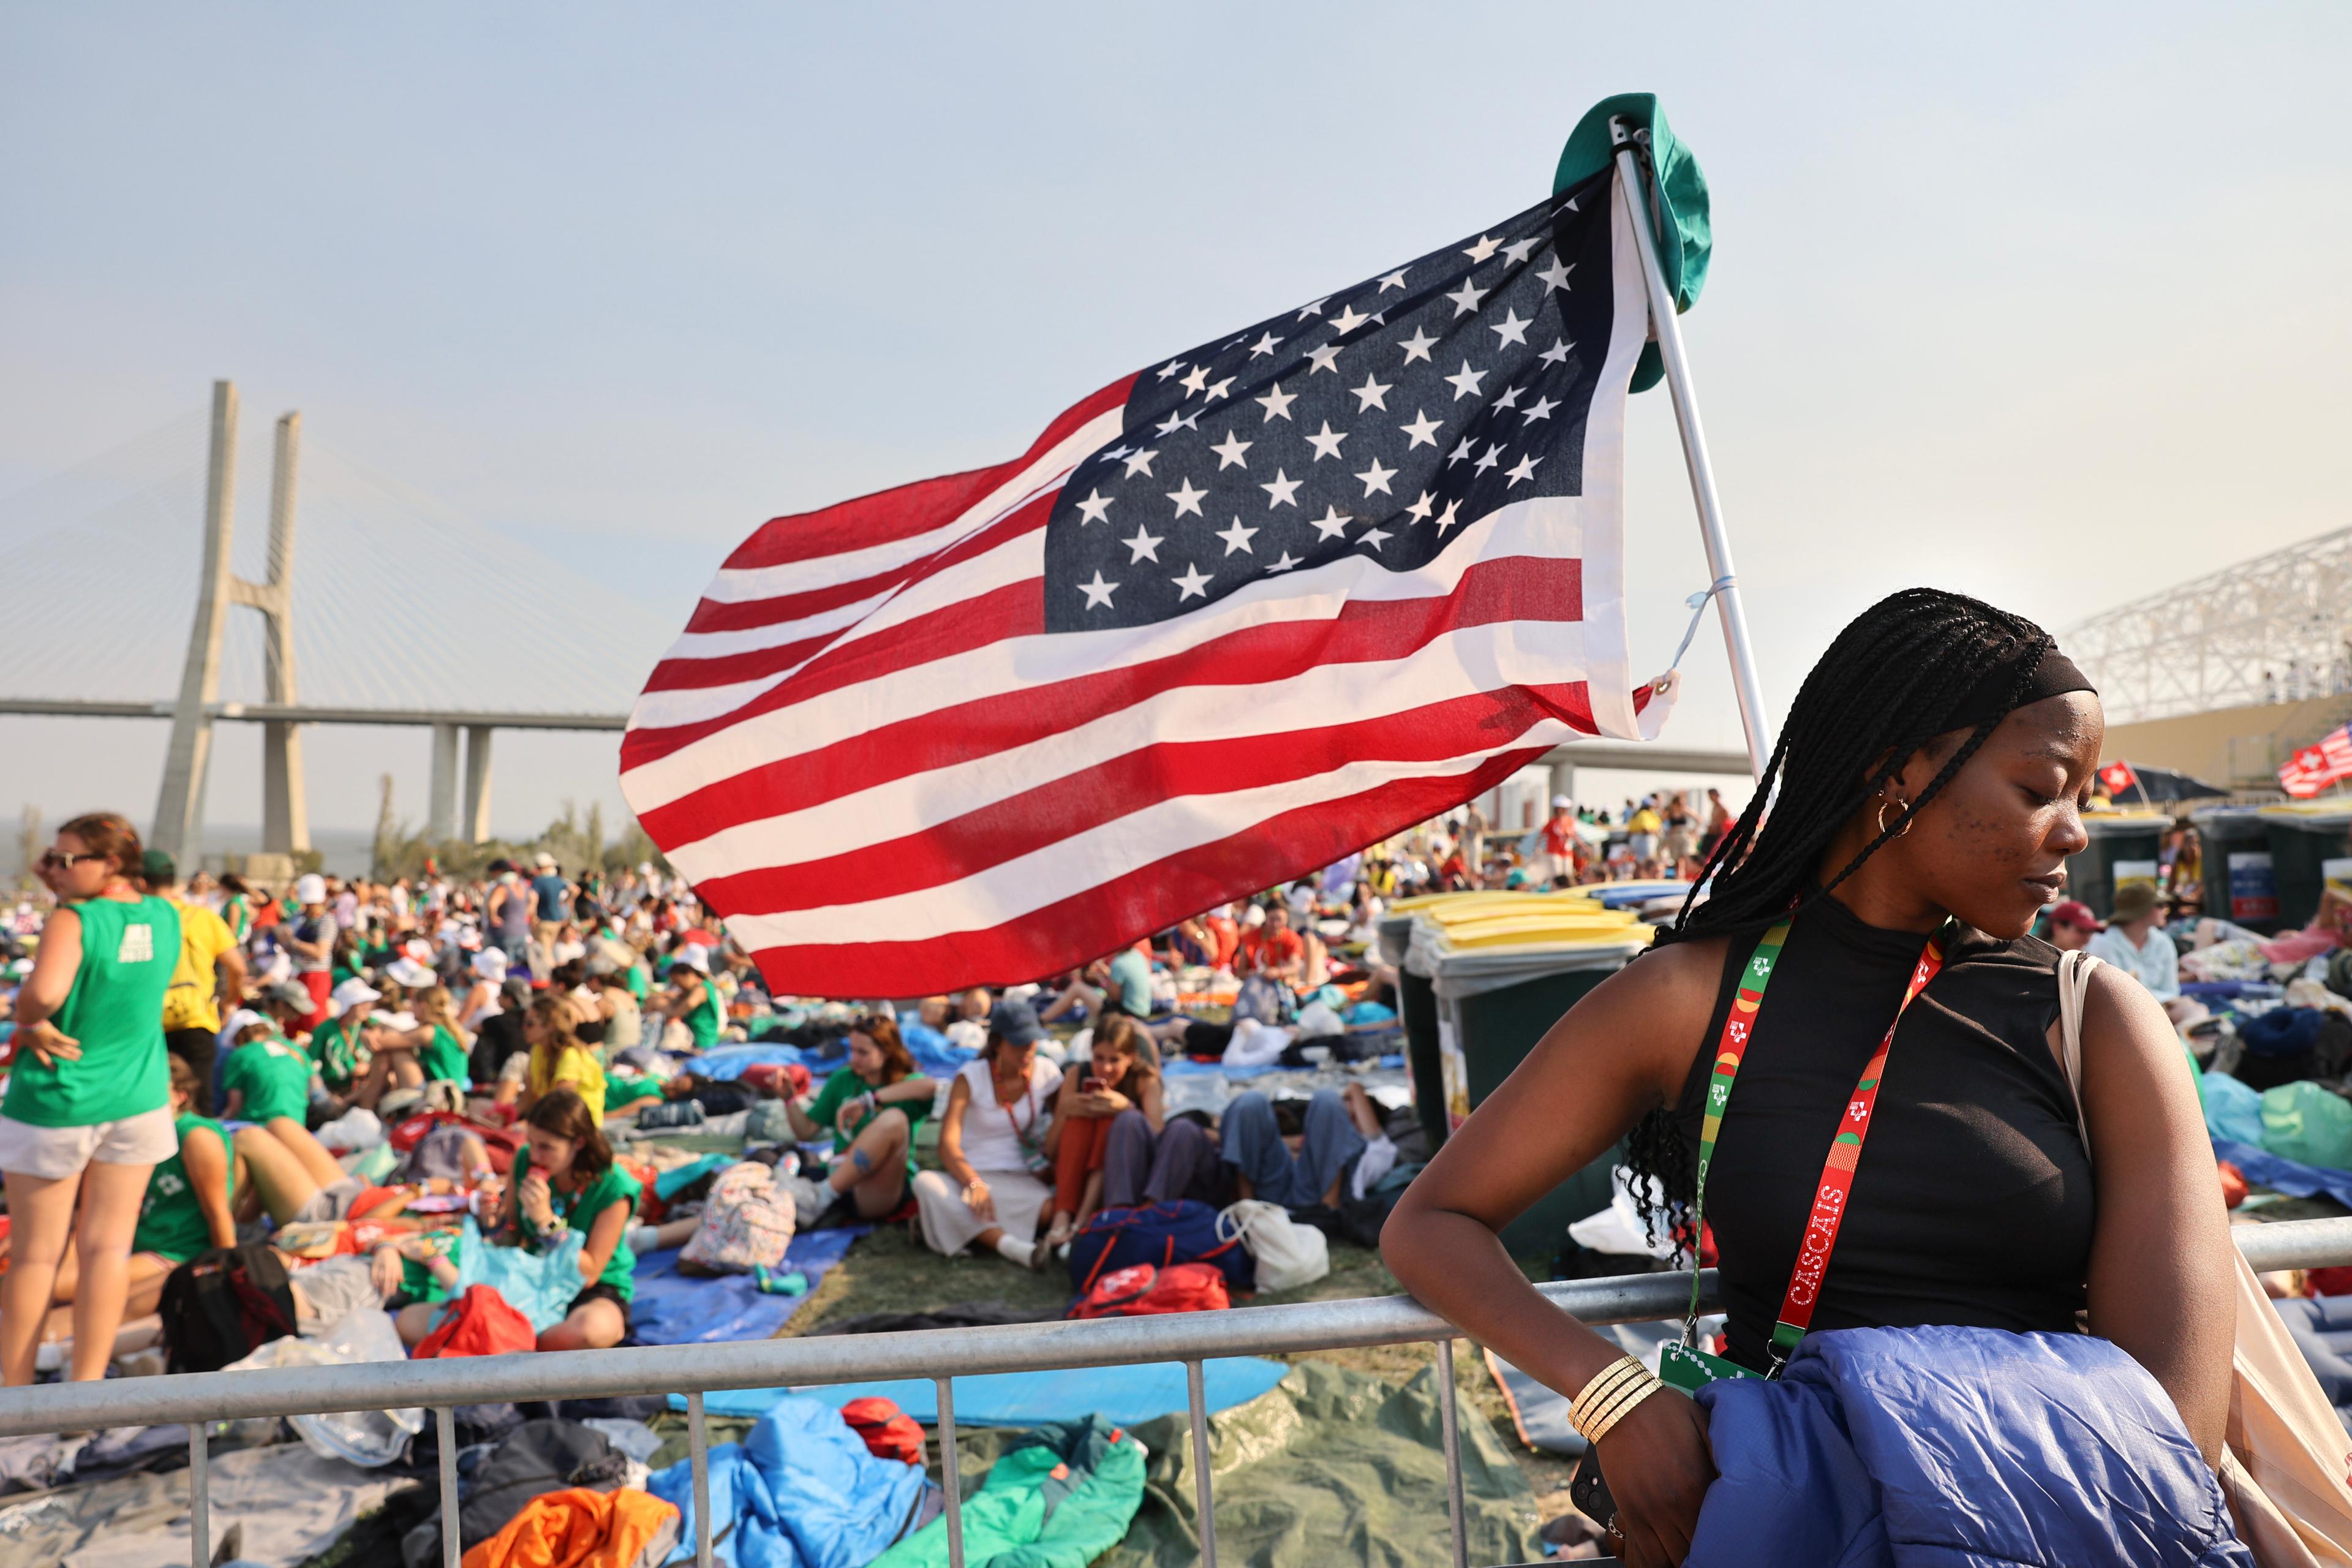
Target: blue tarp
pixel 801 1490
pixel 2293 1177
pixel 674 1309
pixel 933 1056
pixel 1951 1448
pixel 1125 1395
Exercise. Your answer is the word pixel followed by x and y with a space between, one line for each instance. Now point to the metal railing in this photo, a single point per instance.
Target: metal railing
pixel 939 1354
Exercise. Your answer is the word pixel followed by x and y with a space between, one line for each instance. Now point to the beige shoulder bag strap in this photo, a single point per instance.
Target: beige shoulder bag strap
pixel 2285 1461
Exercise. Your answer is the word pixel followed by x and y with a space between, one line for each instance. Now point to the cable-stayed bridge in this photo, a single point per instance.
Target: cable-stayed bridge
pixel 370 606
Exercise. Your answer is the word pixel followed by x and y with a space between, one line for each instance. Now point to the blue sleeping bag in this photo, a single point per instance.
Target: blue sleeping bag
pixel 802 1491
pixel 2322 1331
pixel 1951 1448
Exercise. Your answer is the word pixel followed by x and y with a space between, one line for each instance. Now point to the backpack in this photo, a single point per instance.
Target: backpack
pixel 478 1322
pixel 1145 1290
pixel 1162 1234
pixel 222 1305
pixel 770 1122
pixel 746 1223
pixel 1289 1254
pixel 670 1113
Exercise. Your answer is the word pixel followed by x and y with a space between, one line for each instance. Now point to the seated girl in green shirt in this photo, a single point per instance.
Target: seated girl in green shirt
pixel 871 1109
pixel 565 1178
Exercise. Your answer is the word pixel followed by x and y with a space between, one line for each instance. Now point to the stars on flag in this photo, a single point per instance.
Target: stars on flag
pixel 1418 452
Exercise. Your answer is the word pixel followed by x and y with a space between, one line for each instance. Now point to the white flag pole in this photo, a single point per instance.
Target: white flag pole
pixel 1753 718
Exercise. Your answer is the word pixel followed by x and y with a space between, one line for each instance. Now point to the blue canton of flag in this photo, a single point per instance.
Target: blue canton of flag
pixel 1377 421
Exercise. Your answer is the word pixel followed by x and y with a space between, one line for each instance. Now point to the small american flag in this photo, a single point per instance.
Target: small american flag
pixel 2317 766
pixel 1227 620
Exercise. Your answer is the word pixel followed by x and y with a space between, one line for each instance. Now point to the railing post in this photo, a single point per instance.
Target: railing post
pixel 697 1448
pixel 950 1471
pixel 1449 1423
pixel 200 1499
pixel 1203 1489
pixel 445 1433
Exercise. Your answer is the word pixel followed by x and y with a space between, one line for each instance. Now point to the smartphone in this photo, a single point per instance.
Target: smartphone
pixel 1589 1490
pixel 1092 1085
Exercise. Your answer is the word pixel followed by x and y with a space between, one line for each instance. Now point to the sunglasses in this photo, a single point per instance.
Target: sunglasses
pixel 59 860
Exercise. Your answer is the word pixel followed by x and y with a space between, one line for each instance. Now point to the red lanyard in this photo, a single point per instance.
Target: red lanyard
pixel 1831 1192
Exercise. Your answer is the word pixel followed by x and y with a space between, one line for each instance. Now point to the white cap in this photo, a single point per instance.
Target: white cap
pixel 1561 803
pixel 409 973
pixel 695 956
pixel 310 889
pixel 490 963
pixel 544 861
pixel 417 948
pixel 354 993
pixel 1253 916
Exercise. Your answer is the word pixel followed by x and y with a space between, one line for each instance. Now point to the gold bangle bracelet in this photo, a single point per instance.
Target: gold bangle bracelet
pixel 1616 1389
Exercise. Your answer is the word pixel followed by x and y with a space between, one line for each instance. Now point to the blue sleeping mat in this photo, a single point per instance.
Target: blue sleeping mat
pixel 1125 1395
pixel 2321 1330
pixel 674 1309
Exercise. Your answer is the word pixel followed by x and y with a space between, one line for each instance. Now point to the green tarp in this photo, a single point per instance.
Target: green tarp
pixel 1331 1467
pixel 1686 237
pixel 1058 1499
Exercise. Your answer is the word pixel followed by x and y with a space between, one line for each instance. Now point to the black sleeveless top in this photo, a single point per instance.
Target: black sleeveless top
pixel 1972 1201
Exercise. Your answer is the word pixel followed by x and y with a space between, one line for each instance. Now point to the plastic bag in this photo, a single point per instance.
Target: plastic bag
pixel 370 1438
pixel 1288 1254
pixel 538 1284
pixel 355 1129
pixel 2232 1110
pixel 2304 1121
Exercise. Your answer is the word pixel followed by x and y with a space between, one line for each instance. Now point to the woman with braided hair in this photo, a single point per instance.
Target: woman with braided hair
pixel 1915 815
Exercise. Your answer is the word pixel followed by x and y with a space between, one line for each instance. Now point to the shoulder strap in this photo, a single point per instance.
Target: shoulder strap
pixel 2073 988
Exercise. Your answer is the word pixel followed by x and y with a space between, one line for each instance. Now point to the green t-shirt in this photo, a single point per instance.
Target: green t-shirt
pixel 171 1223
pixel 640 986
pixel 275 1076
pixel 335 1049
pixel 444 1058
pixel 238 915
pixel 702 1018
pixel 845 1086
pixel 616 1186
pixel 116 1010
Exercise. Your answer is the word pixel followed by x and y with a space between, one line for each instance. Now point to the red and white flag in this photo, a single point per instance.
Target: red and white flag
pixel 1227 620
pixel 2317 766
pixel 2116 777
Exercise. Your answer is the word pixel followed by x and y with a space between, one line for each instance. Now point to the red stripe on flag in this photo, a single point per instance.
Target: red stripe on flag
pixel 906 511
pixel 1523 588
pixel 1060 809
pixel 1038 944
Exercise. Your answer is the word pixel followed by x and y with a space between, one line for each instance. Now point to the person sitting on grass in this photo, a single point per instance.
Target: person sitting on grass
pixel 872 1107
pixel 431 1049
pixel 986 1192
pixel 556 1059
pixel 564 1177
pixel 1107 1130
pixel 267 1078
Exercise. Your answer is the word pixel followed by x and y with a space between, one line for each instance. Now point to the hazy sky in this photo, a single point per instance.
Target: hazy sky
pixel 2042 302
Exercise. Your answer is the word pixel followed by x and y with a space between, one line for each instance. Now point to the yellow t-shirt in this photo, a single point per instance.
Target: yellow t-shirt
pixel 575 1069
pixel 192 1003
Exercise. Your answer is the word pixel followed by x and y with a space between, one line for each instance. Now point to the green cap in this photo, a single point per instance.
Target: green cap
pixel 156 865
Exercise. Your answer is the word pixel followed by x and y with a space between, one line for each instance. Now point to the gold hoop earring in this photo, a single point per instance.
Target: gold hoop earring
pixel 1899 807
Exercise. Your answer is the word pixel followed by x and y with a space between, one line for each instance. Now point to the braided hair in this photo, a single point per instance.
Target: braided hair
pixel 1893 680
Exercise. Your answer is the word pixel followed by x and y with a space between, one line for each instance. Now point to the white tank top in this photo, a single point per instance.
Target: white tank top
pixel 992 1133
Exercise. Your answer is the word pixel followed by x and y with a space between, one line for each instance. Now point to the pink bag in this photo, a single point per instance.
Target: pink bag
pixel 746 1223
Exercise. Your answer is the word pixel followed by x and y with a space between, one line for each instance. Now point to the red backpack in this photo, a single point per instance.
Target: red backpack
pixel 1144 1288
pixel 478 1322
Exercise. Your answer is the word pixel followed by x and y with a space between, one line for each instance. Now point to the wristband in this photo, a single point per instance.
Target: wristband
pixel 1613 1391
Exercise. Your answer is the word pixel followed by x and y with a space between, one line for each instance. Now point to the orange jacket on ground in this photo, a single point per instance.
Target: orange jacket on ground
pixel 577 1528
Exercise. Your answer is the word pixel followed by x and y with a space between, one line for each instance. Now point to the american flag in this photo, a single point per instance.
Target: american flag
pixel 2315 767
pixel 1227 620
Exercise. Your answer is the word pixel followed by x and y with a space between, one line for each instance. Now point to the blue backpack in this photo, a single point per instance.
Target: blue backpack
pixel 1160 1235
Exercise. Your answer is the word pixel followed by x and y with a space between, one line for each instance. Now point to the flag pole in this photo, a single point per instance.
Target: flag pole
pixel 1753 718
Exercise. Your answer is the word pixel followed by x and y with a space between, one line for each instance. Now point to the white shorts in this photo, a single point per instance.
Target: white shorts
pixel 54 1153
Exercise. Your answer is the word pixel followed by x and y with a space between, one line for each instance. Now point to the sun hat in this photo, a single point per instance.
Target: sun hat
pixel 694 957
pixel 310 889
pixel 2134 900
pixel 490 963
pixel 354 993
pixel 409 973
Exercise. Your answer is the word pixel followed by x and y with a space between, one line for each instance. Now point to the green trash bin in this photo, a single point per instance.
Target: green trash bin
pixel 2239 886
pixel 1493 1004
pixel 2130 840
pixel 2303 837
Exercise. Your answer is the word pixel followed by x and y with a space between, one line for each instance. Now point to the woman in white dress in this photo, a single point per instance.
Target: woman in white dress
pixel 993 1147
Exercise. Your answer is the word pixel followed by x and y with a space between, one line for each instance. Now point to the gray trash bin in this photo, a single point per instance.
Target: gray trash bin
pixel 2304 836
